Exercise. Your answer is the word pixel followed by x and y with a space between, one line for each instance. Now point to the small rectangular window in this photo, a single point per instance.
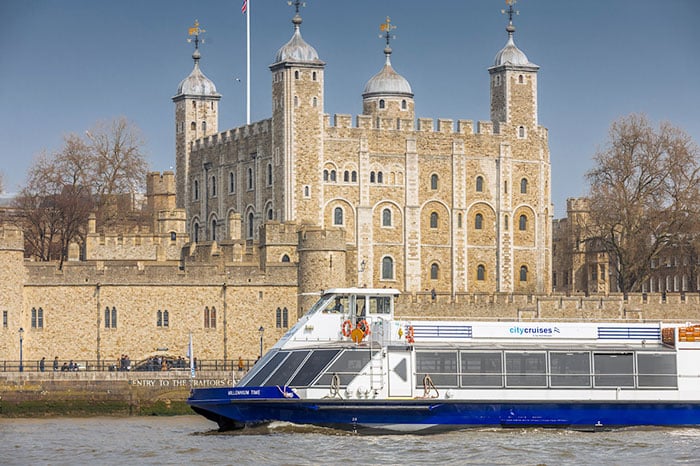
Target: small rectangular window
pixel 570 369
pixel 656 370
pixel 613 369
pixel 482 369
pixel 526 369
pixel 441 366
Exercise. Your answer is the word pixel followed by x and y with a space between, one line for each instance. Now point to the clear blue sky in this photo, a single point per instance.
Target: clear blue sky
pixel 67 64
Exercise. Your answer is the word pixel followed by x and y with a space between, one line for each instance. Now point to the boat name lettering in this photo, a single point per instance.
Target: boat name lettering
pixel 533 331
pixel 244 392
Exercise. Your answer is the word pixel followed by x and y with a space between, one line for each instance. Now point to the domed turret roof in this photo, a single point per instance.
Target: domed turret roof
pixel 296 50
pixel 511 54
pixel 387 81
pixel 196 83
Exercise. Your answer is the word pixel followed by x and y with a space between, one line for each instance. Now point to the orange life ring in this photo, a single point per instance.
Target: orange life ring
pixel 346 328
pixel 410 334
pixel 364 326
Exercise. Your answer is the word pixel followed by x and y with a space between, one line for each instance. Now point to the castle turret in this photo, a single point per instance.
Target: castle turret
pixel 297 119
pixel 322 263
pixel 387 93
pixel 513 86
pixel 196 116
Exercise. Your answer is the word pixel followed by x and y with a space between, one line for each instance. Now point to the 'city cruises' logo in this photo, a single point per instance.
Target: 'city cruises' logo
pixel 534 331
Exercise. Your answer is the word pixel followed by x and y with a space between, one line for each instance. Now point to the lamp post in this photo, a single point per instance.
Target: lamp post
pixel 21 339
pixel 261 330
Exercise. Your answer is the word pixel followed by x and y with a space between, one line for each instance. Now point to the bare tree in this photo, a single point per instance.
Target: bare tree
pixel 644 195
pixel 120 167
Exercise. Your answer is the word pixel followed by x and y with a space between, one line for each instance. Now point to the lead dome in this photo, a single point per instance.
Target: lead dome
pixel 297 49
pixel 387 81
pixel 196 83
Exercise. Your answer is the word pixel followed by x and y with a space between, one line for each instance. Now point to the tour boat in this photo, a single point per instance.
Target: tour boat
pixel 349 364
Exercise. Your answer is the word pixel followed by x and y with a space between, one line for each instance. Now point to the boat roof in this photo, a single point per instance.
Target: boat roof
pixel 363 291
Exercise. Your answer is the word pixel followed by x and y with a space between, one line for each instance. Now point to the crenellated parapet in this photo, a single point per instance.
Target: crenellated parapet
pixel 242 133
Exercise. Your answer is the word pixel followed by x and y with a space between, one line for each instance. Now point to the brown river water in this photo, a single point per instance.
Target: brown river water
pixel 193 440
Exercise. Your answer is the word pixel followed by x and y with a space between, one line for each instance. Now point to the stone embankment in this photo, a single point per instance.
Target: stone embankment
pixel 102 393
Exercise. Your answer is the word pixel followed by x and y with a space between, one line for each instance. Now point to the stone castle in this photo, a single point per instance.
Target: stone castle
pixel 257 219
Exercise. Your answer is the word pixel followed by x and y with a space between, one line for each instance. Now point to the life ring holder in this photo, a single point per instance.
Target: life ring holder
pixel 346 328
pixel 410 334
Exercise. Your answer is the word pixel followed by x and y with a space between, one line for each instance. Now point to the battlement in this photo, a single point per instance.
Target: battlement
pixel 425 125
pixel 577 204
pixel 235 134
pixel 321 239
pixel 11 238
pixel 160 183
pixel 276 233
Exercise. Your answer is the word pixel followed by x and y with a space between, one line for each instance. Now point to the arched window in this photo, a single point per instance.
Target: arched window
pixel 346 176
pixel 251 218
pixel 459 220
pixel 213 186
pixel 523 273
pixel 270 214
pixel 212 318
pixel 296 101
pixel 434 271
pixel 386 217
pixel 338 216
pixel 506 223
pixel 433 182
pixel 313 76
pixel 481 272
pixel 314 102
pixel 110 317
pixel 332 175
pixel 204 127
pixel 195 190
pixel 231 182
pixel 433 220
pixel 194 105
pixel 387 268
pixel 523 186
pixel 195 231
pixel 250 178
pixel 166 318
pixel 285 317
pixel 278 318
pixel 159 318
pixel 521 79
pixel 521 132
pixel 381 103
pixel 213 229
pixel 285 258
pixel 479 184
pixel 371 177
pixel 380 177
pixel 269 174
pixel 296 75
pixel 307 191
pixel 478 222
pixel 193 125
pixel 325 175
pixel 403 104
pixel 523 223
pixel 353 176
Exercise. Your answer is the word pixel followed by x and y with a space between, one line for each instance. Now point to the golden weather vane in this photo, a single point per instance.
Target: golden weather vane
pixel 195 31
pixel 511 11
pixel 386 27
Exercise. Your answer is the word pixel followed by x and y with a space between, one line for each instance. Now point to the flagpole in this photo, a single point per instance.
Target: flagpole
pixel 247 73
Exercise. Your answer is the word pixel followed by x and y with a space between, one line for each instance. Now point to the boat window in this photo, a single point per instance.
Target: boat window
pixel 338 305
pixel 440 366
pixel 347 366
pixel 285 371
pixel 482 369
pixel 262 374
pixel 526 369
pixel 613 369
pixel 379 304
pixel 312 367
pixel 320 304
pixel 656 370
pixel 570 369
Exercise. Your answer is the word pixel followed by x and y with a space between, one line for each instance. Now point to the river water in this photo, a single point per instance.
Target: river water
pixel 193 440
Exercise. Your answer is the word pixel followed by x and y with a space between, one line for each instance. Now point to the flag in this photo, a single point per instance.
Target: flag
pixel 244 8
pixel 190 355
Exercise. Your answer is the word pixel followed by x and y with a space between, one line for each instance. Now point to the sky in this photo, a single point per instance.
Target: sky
pixel 68 64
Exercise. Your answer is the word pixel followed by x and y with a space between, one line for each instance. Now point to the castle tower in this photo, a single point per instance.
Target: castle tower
pixel 513 85
pixel 387 93
pixel 322 263
pixel 196 116
pixel 13 275
pixel 297 121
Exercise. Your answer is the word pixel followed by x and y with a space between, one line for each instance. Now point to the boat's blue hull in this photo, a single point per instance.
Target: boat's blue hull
pixel 406 415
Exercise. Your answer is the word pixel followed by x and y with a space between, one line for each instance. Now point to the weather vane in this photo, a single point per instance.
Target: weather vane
pixel 195 31
pixel 297 4
pixel 511 11
pixel 386 27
